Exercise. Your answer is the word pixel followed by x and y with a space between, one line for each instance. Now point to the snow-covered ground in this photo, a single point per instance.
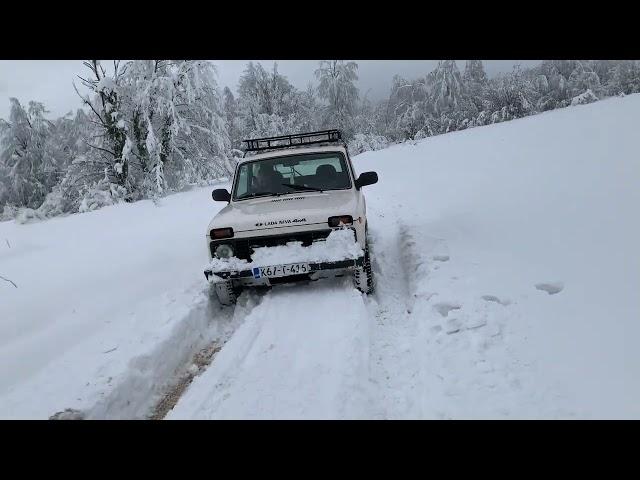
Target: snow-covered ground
pixel 108 304
pixel 507 279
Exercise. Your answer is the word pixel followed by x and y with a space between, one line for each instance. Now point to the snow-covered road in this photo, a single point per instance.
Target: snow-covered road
pixel 303 352
pixel 507 275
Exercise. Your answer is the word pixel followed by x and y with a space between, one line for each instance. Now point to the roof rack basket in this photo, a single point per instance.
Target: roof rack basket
pixel 292 141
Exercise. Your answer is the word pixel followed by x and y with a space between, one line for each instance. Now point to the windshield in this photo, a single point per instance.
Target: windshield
pixel 315 172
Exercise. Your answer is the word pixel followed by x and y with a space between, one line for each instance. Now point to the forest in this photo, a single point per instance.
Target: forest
pixel 151 127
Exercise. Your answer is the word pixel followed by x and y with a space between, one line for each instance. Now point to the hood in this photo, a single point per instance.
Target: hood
pixel 301 208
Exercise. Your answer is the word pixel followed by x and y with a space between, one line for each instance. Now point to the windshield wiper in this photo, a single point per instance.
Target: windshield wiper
pixel 303 187
pixel 260 194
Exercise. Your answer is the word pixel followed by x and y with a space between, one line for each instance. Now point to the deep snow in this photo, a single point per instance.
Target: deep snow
pixel 494 215
pixel 109 303
pixel 507 287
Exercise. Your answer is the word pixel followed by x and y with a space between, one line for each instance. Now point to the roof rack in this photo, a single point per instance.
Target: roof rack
pixel 295 140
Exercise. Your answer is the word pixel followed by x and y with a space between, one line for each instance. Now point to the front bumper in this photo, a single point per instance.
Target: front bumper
pixel 317 270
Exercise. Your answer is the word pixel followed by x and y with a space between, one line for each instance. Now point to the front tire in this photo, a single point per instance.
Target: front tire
pixel 363 276
pixel 225 292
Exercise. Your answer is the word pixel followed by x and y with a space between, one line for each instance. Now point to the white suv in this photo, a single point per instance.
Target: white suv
pixel 295 190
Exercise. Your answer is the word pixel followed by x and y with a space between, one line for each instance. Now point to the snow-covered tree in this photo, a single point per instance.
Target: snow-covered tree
pixel 269 105
pixel 337 87
pixel 108 157
pixel 176 125
pixel 511 96
pixel 28 162
pixel 445 86
pixel 263 93
pixel 232 118
pixel 475 81
pixel 624 78
pixel 159 124
pixel 583 78
pixel 474 73
pixel 202 145
pixel 305 116
pixel 407 107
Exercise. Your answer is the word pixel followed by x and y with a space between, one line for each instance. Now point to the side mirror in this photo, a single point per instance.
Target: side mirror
pixel 221 195
pixel 366 178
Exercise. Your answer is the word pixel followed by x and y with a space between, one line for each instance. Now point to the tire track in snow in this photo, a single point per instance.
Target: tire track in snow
pixel 151 383
pixel 303 353
pixel 187 372
pixel 200 362
pixel 393 358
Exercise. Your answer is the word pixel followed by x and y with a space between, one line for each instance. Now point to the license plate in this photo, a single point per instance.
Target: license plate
pixel 281 270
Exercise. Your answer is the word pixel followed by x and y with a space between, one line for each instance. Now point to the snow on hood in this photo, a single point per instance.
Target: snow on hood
pixel 303 208
pixel 339 245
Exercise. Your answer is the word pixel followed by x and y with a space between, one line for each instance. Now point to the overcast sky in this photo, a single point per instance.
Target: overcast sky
pixel 49 81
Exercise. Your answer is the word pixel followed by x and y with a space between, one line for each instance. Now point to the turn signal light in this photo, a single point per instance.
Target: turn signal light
pixel 218 233
pixel 341 220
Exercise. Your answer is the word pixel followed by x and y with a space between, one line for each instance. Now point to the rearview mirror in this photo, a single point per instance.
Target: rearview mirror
pixel 366 178
pixel 221 195
pixel 290 162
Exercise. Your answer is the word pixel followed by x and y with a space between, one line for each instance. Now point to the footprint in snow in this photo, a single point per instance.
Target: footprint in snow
pixel 444 308
pixel 550 287
pixel 476 323
pixel 493 298
pixel 427 295
pixel 453 326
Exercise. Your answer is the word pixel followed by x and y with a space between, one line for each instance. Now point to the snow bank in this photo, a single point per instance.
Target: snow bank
pixel 339 245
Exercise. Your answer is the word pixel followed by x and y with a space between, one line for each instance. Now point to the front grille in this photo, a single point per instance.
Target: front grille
pixel 243 247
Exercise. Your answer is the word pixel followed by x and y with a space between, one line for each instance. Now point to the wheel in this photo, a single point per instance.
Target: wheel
pixel 363 276
pixel 225 292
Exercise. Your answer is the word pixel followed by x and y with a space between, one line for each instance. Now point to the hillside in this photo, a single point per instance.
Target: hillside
pixel 507 270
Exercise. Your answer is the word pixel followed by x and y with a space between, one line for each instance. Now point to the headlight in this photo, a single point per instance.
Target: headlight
pixel 224 251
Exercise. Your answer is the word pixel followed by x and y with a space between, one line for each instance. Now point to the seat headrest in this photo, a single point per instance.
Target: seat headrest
pixel 326 170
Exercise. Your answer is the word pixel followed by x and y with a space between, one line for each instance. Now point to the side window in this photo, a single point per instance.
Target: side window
pixel 243 182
